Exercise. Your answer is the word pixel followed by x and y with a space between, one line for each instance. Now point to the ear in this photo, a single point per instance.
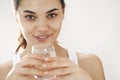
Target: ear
pixel 63 10
pixel 63 13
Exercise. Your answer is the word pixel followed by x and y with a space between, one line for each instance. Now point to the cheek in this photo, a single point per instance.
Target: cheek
pixel 27 34
pixel 27 31
pixel 56 25
pixel 24 25
pixel 28 28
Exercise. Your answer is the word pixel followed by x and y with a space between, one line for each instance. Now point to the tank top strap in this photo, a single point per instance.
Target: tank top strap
pixel 73 56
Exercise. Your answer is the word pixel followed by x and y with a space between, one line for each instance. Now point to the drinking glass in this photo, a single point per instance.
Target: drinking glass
pixel 47 51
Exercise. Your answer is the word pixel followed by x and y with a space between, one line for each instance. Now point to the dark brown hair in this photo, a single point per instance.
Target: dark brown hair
pixel 21 39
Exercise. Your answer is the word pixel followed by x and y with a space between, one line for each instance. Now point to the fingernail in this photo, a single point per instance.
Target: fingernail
pixel 47 59
pixel 46 72
pixel 44 65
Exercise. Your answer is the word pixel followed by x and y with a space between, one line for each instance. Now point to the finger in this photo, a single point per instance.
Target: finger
pixel 25 78
pixel 50 59
pixel 61 78
pixel 30 72
pixel 61 71
pixel 58 63
pixel 24 73
pixel 27 62
pixel 17 76
pixel 34 56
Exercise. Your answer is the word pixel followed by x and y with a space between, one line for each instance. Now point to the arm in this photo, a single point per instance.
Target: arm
pixel 92 64
pixel 4 69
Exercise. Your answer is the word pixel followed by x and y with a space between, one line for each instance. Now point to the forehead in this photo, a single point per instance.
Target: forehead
pixel 39 5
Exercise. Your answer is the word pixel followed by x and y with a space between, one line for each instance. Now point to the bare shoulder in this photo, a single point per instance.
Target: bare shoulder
pixel 4 69
pixel 91 64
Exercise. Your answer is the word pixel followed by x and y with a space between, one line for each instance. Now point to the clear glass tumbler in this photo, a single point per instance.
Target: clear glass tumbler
pixel 45 51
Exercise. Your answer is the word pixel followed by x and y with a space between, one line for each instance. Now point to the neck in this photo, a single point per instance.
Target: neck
pixel 61 51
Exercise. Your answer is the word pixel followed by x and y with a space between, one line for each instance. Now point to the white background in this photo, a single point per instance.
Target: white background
pixel 90 26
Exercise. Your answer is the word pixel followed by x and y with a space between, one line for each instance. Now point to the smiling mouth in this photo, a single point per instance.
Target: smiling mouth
pixel 42 38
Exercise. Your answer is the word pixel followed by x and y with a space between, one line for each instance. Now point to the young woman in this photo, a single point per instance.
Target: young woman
pixel 40 23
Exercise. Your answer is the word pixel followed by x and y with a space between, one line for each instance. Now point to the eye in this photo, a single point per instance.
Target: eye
pixel 30 17
pixel 52 15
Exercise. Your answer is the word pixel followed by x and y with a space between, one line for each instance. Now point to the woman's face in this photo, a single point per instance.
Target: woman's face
pixel 40 20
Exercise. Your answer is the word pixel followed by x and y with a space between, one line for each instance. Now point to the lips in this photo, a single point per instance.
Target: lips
pixel 42 38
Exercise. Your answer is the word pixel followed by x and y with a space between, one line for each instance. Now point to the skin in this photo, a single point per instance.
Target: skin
pixel 41 18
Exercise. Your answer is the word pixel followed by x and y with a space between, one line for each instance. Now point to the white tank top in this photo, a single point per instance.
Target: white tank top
pixel 73 56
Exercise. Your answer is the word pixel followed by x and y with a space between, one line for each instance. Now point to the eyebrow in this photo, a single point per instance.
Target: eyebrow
pixel 52 10
pixel 28 11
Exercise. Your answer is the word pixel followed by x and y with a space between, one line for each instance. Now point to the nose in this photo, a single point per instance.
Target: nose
pixel 42 25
